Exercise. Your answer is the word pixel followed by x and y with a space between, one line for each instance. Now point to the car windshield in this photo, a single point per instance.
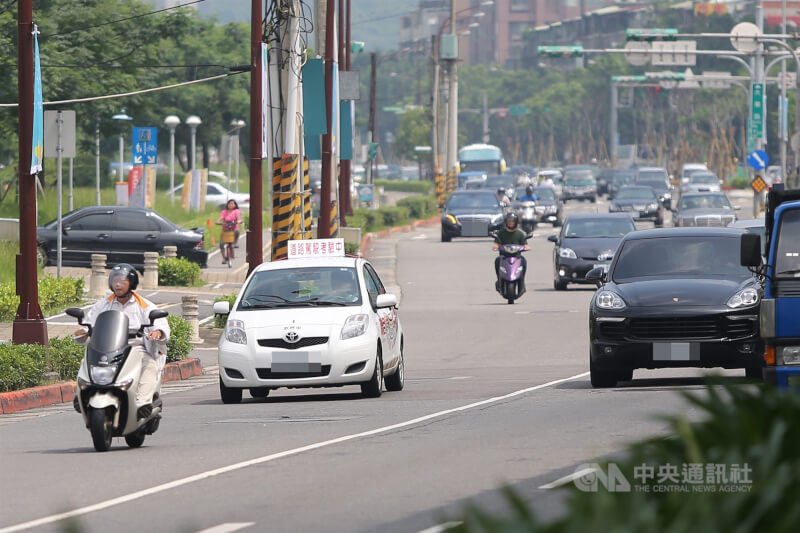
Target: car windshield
pixel 580 182
pixel 704 201
pixel 654 173
pixel 495 182
pixel 787 260
pixel 577 174
pixel 479 201
pixel 301 287
pixel 658 185
pixel 704 179
pixel 679 256
pixel 594 228
pixel 636 193
pixel 545 194
pixel 622 178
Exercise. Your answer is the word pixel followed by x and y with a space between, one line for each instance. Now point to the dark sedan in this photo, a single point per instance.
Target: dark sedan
pixel 549 207
pixel 704 209
pixel 662 187
pixel 122 234
pixel 641 202
pixel 586 241
pixel 471 214
pixel 674 297
pixel 619 178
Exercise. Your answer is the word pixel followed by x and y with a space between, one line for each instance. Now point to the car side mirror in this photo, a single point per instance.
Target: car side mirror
pixel 553 238
pixel 222 307
pixel 750 250
pixel 597 275
pixel 386 300
pixel 737 208
pixel 65 229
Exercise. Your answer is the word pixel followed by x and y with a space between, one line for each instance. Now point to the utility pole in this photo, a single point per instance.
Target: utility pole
pixel 344 164
pixel 758 75
pixel 255 232
pixel 324 224
pixel 373 84
pixel 485 117
pixel 346 207
pixel 452 114
pixel 29 324
pixel 612 124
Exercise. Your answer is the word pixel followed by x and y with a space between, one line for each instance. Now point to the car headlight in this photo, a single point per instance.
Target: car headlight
pixel 652 206
pixel 610 300
pixel 743 298
pixel 567 253
pixel 790 355
pixel 234 332
pixel 354 326
pixel 496 219
pixel 451 219
pixel 667 195
pixel 103 375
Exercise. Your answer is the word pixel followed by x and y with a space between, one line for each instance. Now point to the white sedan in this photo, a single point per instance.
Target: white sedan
pixel 318 321
pixel 217 195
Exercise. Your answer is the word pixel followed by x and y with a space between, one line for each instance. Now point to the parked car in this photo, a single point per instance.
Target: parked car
pixel 123 234
pixel 586 241
pixel 471 214
pixel 640 201
pixel 675 297
pixel 704 209
pixel 701 181
pixel 218 195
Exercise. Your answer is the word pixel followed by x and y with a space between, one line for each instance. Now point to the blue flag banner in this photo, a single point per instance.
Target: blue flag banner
pixel 37 150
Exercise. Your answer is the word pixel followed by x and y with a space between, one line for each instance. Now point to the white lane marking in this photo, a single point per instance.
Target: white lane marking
pixel 218 285
pixel 212 348
pixel 567 479
pixel 441 527
pixel 271 457
pixel 227 527
pixel 205 320
pixel 152 294
pixel 522 312
pixel 418 237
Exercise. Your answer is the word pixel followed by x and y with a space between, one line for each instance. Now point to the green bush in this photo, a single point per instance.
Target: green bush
pixel 394 216
pixel 65 356
pixel 351 248
pixel 739 182
pixel 54 295
pixel 180 331
pixel 178 271
pixel 421 187
pixel 419 207
pixel 21 366
pixel 220 320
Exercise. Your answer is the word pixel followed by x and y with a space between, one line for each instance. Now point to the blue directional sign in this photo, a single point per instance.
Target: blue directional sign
pixel 145 146
pixel 758 159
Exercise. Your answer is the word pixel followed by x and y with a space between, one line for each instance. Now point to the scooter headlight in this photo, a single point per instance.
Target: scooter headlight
pixel 103 375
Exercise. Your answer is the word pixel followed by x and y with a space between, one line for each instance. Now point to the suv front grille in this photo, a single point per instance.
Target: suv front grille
pixel 302 343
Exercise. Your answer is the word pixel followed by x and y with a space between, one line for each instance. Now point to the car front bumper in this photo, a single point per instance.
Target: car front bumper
pixel 574 270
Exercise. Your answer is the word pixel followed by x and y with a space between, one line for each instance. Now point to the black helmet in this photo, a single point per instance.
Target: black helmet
pixel 529 190
pixel 501 190
pixel 126 270
pixel 511 217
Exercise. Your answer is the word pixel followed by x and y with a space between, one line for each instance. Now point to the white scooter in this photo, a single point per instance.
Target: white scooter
pixel 108 379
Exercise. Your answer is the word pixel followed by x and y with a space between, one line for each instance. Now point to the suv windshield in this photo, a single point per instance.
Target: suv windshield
pixel 593 228
pixel 674 257
pixel 480 201
pixel 545 194
pixel 636 193
pixel 658 185
pixel 704 178
pixel 659 173
pixel 579 182
pixel 301 287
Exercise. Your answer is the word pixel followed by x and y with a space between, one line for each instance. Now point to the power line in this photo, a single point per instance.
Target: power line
pixel 121 20
pixel 382 17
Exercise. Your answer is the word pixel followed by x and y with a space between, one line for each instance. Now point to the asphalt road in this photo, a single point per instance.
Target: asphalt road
pixel 495 394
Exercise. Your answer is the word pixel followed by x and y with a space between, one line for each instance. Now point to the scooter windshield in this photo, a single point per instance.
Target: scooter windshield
pixel 109 333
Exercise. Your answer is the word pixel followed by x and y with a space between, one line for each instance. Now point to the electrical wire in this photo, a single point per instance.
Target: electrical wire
pixel 126 19
pixel 133 93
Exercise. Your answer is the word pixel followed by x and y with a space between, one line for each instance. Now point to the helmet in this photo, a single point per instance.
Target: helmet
pixel 529 190
pixel 501 190
pixel 511 217
pixel 125 270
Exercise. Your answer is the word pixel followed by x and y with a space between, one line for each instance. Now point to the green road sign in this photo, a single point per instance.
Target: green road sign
pixel 518 110
pixel 757 111
pixel 560 51
pixel 650 35
pixel 356 47
pixel 634 79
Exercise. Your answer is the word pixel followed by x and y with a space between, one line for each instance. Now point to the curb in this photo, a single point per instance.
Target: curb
pixel 11 402
pixel 396 229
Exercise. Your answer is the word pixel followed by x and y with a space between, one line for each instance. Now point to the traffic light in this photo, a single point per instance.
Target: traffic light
pixel 560 51
pixel 649 35
pixel 372 153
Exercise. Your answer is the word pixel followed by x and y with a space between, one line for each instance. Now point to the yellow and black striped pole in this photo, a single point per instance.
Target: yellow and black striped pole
pixel 441 194
pixel 334 219
pixel 285 205
pixel 452 182
pixel 307 192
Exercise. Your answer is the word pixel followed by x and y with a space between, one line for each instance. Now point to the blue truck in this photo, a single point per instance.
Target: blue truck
pixel 779 316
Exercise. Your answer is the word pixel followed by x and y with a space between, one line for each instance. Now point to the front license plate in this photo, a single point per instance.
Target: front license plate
pixel 296 362
pixel 676 351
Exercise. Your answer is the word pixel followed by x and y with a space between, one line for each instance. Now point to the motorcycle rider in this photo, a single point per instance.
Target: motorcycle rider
pixel 502 197
pixel 510 234
pixel 123 280
pixel 529 195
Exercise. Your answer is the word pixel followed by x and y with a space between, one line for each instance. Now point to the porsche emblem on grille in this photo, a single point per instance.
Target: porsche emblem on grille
pixel 675 299
pixel 291 337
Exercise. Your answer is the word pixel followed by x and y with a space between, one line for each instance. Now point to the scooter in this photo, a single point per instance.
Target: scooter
pixel 527 216
pixel 108 379
pixel 511 272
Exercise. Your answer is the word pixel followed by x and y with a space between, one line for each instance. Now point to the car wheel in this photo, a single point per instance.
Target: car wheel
pixel 659 222
pixel 446 237
pixel 374 387
pixel 41 256
pixel 556 223
pixel 754 372
pixel 602 378
pixel 259 392
pixel 559 285
pixel 593 199
pixel 228 394
pixel 396 381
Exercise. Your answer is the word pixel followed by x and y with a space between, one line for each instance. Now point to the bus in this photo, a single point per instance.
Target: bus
pixel 481 157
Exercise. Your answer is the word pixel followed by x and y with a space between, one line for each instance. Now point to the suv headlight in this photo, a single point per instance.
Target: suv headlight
pixel 354 326
pixel 744 298
pixel 103 375
pixel 567 253
pixel 234 332
pixel 610 300
pixel 652 206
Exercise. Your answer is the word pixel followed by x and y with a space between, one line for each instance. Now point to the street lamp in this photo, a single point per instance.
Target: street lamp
pixel 171 121
pixel 121 116
pixel 193 121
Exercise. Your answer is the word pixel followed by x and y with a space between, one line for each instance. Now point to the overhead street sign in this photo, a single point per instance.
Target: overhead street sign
pixel 757 107
pixel 743 37
pixel 716 80
pixel 674 53
pixel 634 55
pixel 145 146
pixel 653 34
pixel 560 51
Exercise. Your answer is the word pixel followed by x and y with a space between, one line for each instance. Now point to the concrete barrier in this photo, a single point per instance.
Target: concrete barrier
pixel 9 229
pixel 150 279
pixel 99 280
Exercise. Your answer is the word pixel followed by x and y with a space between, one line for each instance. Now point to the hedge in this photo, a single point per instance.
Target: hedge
pixel 180 331
pixel 54 295
pixel 419 207
pixel 21 366
pixel 422 187
pixel 178 271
